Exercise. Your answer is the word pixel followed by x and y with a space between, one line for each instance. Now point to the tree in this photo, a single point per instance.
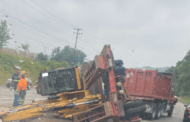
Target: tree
pixel 55 64
pixel 25 47
pixel 4 34
pixel 42 57
pixel 66 54
pixel 181 81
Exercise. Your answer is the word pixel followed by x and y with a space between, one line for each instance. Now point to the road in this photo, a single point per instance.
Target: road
pixel 6 99
pixel 7 96
pixel 177 115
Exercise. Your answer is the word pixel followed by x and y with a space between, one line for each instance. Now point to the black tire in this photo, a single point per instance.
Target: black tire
pixel 134 112
pixel 170 113
pixel 158 110
pixel 133 104
pixel 186 120
pixel 163 108
pixel 153 114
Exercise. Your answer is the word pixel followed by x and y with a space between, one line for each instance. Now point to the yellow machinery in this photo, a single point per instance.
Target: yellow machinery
pixel 64 102
pixel 70 93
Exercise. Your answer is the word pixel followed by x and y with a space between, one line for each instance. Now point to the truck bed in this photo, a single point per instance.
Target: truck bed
pixel 148 84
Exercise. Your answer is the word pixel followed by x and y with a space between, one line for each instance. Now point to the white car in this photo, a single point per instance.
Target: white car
pixel 29 83
pixel 8 83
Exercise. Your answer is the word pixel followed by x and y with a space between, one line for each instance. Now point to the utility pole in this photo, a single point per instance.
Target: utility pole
pixel 46 48
pixel 76 44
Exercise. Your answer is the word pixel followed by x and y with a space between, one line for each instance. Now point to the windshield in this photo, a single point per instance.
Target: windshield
pixel 58 81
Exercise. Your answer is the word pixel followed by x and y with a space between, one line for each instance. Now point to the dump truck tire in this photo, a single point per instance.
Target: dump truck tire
pixel 133 104
pixel 134 112
pixel 152 115
pixel 158 110
pixel 170 113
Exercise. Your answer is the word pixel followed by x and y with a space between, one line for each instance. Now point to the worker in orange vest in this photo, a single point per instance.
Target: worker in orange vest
pixel 21 89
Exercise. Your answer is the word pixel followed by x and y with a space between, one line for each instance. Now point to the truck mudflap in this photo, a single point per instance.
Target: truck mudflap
pixel 99 113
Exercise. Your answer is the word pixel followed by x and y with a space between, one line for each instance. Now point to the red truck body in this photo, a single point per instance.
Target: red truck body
pixel 148 84
pixel 154 88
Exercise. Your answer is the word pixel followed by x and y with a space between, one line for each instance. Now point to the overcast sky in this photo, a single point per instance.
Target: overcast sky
pixel 142 33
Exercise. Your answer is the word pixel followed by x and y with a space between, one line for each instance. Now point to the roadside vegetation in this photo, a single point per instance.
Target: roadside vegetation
pixel 185 99
pixel 59 58
pixel 33 67
pixel 181 81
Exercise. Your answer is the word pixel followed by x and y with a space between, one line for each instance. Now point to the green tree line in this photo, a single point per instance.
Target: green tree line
pixel 181 80
pixel 63 55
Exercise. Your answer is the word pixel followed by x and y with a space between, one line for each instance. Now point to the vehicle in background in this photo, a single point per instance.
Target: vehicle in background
pixel 186 117
pixel 8 83
pixel 38 82
pixel 29 83
pixel 154 88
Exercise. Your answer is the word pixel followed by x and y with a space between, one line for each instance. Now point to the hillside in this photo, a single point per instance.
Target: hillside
pixel 31 66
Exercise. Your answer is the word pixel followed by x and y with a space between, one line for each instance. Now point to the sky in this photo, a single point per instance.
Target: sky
pixel 141 33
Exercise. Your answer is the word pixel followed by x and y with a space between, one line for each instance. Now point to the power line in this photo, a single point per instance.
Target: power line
pixel 36 3
pixel 33 18
pixel 34 39
pixel 25 24
pixel 42 13
pixel 88 41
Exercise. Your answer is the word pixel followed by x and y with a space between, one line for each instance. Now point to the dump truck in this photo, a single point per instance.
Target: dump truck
pixel 92 93
pixel 154 88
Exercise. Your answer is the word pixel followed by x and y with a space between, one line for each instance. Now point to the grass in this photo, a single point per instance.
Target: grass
pixel 31 66
pixel 185 99
pixel 4 75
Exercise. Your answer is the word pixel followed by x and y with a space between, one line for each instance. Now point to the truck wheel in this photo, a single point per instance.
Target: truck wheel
pixel 163 106
pixel 153 114
pixel 170 113
pixel 133 104
pixel 134 112
pixel 158 110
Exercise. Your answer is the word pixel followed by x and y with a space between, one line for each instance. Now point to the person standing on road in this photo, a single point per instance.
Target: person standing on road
pixel 21 89
pixel 14 82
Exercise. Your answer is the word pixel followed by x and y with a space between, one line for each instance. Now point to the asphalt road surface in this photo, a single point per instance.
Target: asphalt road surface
pixel 176 117
pixel 7 96
pixel 6 99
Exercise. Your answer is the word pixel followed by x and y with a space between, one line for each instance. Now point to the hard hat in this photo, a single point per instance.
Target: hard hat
pixel 17 67
pixel 24 72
